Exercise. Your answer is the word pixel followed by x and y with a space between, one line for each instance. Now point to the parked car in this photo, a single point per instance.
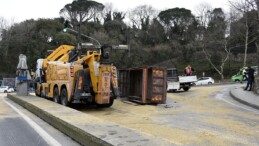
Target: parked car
pixel 204 81
pixel 6 89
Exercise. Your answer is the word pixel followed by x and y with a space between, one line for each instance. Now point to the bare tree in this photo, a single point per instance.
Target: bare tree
pixel 107 12
pixel 257 6
pixel 244 6
pixel 202 11
pixel 224 59
pixel 252 5
pixel 221 39
pixel 142 15
pixel 5 25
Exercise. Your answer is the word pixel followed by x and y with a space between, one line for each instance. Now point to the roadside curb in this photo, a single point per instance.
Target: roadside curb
pixel 75 133
pixel 242 101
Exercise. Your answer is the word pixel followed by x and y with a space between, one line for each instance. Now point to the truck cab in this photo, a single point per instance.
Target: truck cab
pixel 172 80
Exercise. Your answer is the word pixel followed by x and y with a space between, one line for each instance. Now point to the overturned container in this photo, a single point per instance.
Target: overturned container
pixel 146 85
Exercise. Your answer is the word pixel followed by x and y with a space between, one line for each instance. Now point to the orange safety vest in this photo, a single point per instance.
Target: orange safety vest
pixel 188 70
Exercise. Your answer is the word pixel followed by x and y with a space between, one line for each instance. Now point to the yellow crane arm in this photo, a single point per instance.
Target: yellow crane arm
pixel 58 54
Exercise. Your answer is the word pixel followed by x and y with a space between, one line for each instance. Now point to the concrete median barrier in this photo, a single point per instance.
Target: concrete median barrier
pixel 84 128
pixel 74 132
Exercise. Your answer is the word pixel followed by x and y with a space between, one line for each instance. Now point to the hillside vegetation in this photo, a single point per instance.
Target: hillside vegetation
pixel 212 42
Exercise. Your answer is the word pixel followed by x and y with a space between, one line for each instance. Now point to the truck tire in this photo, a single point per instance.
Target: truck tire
pixel 56 97
pixel 35 87
pixel 186 88
pixel 63 96
pixel 36 93
pixel 41 92
pixel 106 105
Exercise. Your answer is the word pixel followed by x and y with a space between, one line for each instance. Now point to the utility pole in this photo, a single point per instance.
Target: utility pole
pixel 246 34
pixel 257 49
pixel 256 85
pixel 128 39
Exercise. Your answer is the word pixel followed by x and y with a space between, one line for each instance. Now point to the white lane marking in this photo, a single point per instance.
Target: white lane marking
pixel 219 96
pixel 49 139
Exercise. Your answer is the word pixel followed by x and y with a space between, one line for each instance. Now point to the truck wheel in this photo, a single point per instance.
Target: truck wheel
pixel 36 93
pixel 63 95
pixel 41 92
pixel 35 87
pixel 56 97
pixel 111 102
pixel 107 105
pixel 186 88
pixel 237 81
pixel 5 91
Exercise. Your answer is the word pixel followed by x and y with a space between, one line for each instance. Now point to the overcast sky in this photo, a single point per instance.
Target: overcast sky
pixel 19 10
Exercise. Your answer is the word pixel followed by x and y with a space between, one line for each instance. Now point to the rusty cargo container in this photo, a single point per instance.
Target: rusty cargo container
pixel 146 85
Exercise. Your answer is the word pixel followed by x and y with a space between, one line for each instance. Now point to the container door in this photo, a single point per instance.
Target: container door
pixel 158 86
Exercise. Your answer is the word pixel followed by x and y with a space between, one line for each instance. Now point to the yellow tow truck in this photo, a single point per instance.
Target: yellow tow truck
pixel 68 78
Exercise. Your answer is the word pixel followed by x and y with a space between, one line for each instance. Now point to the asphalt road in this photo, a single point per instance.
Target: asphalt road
pixel 204 115
pixel 20 127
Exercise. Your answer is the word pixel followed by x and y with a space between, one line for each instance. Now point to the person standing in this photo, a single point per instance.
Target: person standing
pixel 244 74
pixel 188 70
pixel 250 73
